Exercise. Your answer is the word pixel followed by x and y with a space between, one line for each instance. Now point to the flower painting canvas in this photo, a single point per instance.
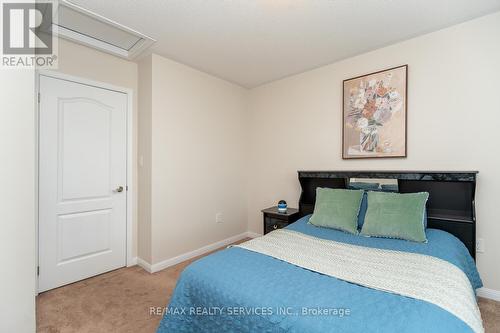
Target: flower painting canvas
pixel 375 114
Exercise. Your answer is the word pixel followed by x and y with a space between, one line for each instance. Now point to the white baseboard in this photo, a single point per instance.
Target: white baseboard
pixel 251 234
pixel 144 264
pixel 152 268
pixel 489 293
pixel 132 262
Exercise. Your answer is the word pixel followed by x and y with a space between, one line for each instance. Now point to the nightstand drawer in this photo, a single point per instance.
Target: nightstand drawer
pixel 274 219
pixel 273 224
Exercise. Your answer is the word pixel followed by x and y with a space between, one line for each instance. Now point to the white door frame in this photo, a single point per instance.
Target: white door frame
pixel 130 260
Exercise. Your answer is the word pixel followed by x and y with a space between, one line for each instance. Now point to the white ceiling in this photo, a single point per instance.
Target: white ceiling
pixel 251 42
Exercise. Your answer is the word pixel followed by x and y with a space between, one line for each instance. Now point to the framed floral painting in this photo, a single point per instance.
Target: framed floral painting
pixel 374 114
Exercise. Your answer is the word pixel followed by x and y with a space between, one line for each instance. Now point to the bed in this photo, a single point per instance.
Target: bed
pixel 237 290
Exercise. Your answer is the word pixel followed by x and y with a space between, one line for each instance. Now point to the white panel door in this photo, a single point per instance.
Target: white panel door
pixel 82 181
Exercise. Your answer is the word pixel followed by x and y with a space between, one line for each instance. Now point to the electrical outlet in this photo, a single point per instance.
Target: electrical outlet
pixel 218 218
pixel 480 245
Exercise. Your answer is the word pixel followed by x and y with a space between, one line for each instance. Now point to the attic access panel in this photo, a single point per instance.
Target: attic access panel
pixel 85 27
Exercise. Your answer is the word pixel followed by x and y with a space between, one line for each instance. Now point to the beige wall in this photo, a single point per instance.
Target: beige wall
pixel 82 61
pixel 144 145
pixel 198 158
pixel 17 200
pixel 453 116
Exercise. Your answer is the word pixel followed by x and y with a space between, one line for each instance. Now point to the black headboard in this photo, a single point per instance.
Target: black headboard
pixel 451 196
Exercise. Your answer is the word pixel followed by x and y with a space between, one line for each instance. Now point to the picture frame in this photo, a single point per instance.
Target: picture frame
pixel 374 114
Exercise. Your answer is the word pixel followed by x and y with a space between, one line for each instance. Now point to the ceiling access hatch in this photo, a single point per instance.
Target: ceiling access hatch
pixel 85 27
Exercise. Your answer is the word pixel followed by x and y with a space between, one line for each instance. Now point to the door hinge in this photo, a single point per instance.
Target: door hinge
pixel 38 98
pixel 38 270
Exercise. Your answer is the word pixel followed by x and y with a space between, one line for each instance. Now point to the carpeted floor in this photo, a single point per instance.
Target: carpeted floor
pixel 120 301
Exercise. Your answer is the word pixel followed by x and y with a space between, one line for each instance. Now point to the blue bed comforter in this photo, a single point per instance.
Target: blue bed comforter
pixel 235 290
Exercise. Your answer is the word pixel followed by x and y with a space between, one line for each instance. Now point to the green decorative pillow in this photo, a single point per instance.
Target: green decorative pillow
pixel 337 209
pixel 396 215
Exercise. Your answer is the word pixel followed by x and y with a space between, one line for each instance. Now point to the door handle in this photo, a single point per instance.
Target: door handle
pixel 119 189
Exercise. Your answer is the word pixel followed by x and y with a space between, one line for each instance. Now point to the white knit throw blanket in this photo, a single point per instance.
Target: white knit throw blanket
pixel 408 274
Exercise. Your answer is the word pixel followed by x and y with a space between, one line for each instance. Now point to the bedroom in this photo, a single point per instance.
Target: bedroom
pixel 222 107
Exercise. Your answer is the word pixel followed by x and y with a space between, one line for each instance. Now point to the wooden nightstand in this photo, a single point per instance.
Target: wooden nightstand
pixel 275 220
